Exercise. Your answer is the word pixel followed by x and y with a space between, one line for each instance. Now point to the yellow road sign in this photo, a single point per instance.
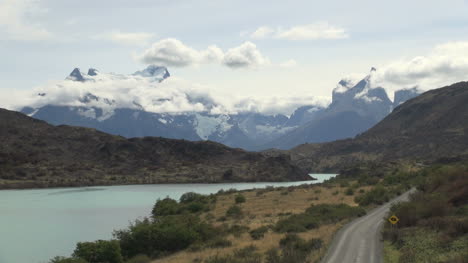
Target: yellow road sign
pixel 393 219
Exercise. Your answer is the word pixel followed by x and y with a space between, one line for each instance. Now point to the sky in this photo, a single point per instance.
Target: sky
pixel 259 49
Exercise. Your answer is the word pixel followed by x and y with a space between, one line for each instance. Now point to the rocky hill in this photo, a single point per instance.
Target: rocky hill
pixel 36 154
pixel 431 126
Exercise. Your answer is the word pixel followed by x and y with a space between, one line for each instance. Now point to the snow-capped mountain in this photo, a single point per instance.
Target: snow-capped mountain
pixel 140 105
pixel 147 103
pixel 355 108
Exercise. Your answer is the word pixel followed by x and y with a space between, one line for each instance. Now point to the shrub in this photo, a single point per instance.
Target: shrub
pixel 237 230
pixel 166 206
pixel 294 249
pixel 296 223
pixel 377 195
pixel 240 199
pixel 168 234
pixel 234 211
pixel 258 233
pixel 316 215
pixel 99 251
pixel 349 191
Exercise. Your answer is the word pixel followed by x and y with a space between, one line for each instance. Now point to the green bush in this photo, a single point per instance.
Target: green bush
pixel 378 195
pixel 234 211
pixel 258 233
pixel 167 234
pixel 316 215
pixel 296 223
pixel 240 199
pixel 166 206
pixel 349 191
pixel 189 202
pixel 99 251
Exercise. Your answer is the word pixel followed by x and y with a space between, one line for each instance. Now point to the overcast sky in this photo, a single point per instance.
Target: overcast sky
pixel 253 48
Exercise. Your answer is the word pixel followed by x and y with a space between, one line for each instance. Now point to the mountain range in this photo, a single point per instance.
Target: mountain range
pixel 433 126
pixel 355 107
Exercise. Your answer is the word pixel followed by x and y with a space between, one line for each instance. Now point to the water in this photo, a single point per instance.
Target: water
pixel 36 225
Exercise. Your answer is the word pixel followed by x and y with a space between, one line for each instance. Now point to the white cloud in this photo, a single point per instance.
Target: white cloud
pixel 262 32
pixel 288 63
pixel 321 30
pixel 17 23
pixel 444 65
pixel 172 52
pixel 315 31
pixel 244 56
pixel 173 95
pixel 128 38
pixel 279 105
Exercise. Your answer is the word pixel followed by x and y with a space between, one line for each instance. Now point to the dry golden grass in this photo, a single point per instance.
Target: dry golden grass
pixel 267 209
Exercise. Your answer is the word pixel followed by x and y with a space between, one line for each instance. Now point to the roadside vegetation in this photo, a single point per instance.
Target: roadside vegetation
pixel 433 225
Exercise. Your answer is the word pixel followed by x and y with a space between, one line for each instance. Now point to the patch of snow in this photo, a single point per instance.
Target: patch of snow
pixel 207 125
pixel 33 113
pixel 161 120
pixel 87 113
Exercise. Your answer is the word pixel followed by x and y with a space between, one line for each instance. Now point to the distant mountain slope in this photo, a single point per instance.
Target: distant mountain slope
pixel 36 154
pixel 355 108
pixel 431 126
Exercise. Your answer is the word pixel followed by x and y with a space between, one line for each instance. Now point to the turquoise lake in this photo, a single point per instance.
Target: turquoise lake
pixel 36 225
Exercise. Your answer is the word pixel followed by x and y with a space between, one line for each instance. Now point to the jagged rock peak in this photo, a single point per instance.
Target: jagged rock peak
pixel 76 75
pixel 93 72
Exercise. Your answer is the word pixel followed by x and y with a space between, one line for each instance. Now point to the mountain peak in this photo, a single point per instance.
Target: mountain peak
pixel 92 72
pixel 152 71
pixel 76 75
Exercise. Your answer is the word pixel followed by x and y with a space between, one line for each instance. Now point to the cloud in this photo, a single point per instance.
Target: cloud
pixel 174 53
pixel 128 38
pixel 444 65
pixel 262 32
pixel 245 56
pixel 279 105
pixel 173 95
pixel 17 20
pixel 315 31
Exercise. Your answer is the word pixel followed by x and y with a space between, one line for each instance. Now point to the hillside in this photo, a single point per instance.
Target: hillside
pixel 36 154
pixel 431 126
